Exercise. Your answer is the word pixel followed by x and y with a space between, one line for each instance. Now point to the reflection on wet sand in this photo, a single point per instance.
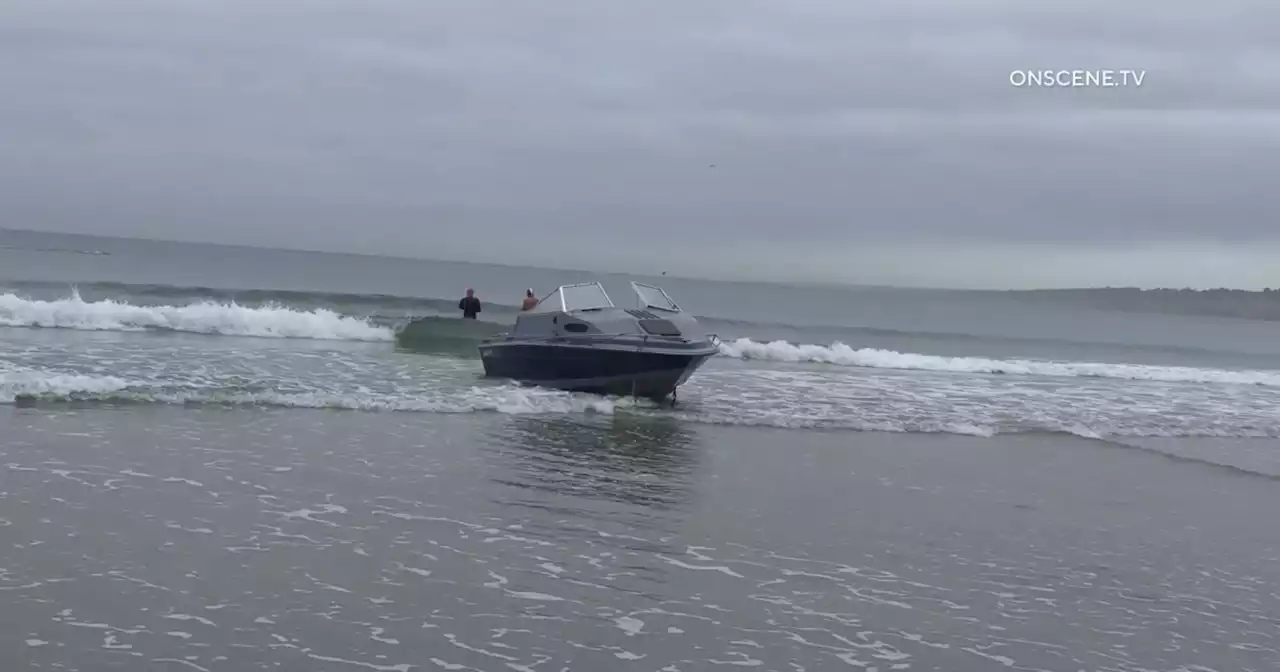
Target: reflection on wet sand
pixel 208 540
pixel 640 461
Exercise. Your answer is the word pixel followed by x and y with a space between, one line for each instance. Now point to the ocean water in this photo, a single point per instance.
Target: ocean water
pixel 150 322
pixel 222 458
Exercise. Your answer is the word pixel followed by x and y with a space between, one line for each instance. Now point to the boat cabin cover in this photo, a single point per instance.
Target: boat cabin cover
pixel 586 309
pixel 590 296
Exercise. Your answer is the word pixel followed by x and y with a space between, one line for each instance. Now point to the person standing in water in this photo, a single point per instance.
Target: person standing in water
pixel 529 301
pixel 469 305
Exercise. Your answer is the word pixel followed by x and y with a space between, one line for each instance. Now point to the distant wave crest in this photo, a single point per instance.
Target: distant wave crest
pixel 843 355
pixel 205 317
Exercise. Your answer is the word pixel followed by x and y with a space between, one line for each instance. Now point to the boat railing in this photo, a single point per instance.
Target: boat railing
pixel 620 334
pixel 644 338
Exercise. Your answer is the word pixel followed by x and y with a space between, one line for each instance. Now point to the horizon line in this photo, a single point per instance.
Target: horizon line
pixel 812 284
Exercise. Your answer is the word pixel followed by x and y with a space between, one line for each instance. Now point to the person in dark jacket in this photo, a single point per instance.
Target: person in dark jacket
pixel 469 305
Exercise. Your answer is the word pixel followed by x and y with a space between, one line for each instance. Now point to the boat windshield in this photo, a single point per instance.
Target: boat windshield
pixel 654 297
pixel 585 296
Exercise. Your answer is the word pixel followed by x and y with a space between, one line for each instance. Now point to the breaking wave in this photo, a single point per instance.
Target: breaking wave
pixel 204 317
pixel 843 355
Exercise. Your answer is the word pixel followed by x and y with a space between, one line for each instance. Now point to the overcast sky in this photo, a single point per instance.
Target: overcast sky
pixel 873 141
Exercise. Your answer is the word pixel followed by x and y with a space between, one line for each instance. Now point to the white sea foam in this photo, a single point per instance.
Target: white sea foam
pixel 228 319
pixel 508 399
pixel 881 402
pixel 843 355
pixel 20 381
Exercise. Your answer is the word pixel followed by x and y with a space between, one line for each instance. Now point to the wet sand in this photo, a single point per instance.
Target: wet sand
pixel 164 538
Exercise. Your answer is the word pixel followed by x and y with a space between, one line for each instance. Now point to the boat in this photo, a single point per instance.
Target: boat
pixel 436 334
pixel 576 339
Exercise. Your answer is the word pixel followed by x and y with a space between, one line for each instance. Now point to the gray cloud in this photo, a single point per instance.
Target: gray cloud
pixel 811 139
